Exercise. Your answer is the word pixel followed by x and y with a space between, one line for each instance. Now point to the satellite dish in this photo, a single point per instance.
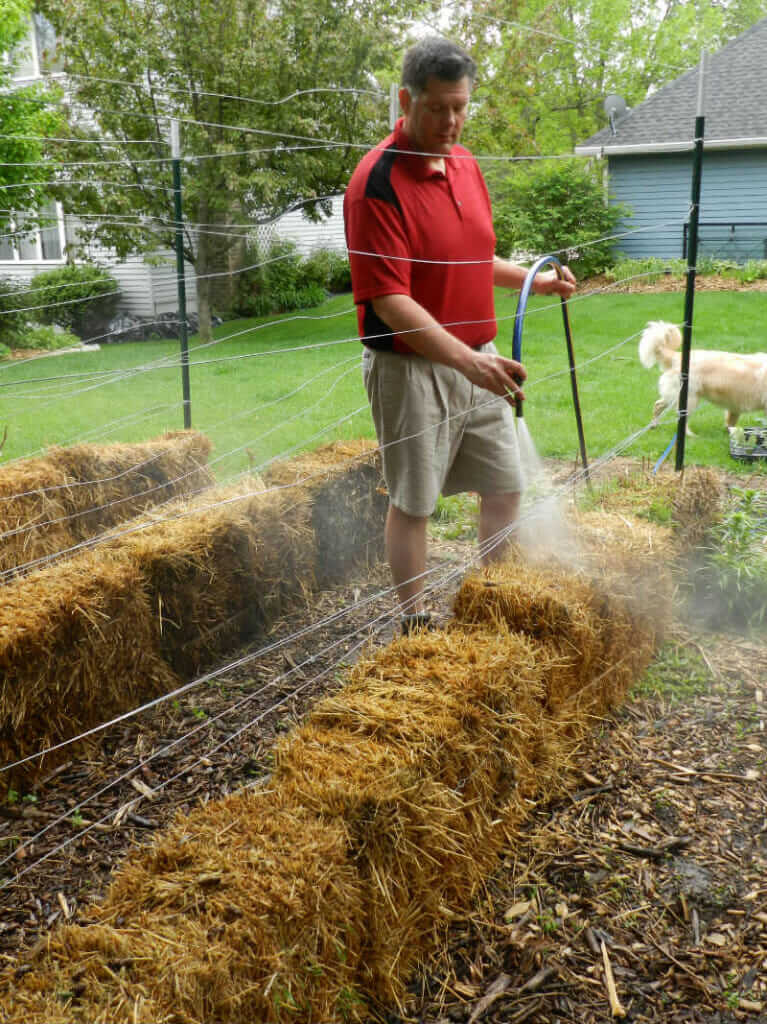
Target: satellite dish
pixel 615 108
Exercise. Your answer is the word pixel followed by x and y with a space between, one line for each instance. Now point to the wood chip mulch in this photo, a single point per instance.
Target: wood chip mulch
pixel 643 895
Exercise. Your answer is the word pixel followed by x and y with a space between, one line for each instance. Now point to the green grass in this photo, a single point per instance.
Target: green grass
pixel 678 673
pixel 243 403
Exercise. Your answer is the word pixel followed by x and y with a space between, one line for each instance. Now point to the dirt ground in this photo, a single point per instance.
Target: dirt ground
pixel 641 895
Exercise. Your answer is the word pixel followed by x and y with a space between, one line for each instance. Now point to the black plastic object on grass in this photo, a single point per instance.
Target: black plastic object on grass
pixel 748 444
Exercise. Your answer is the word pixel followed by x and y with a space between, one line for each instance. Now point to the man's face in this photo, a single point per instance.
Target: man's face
pixel 434 119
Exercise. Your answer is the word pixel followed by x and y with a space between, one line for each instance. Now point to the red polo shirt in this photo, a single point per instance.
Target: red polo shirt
pixel 412 230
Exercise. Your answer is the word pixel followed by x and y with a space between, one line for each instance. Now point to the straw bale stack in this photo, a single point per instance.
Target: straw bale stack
pixel 310 899
pixel 161 601
pixel 346 510
pixel 71 494
pixel 220 569
pixel 76 647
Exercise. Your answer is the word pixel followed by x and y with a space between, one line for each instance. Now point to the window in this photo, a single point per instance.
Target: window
pixel 39 54
pixel 36 244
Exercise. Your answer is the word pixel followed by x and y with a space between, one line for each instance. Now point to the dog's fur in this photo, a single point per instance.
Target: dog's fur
pixel 738 383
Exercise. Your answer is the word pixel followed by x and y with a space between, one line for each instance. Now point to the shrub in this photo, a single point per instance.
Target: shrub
pixel 752 270
pixel 47 338
pixel 735 575
pixel 282 281
pixel 330 269
pixel 551 207
pixel 12 297
pixel 4 350
pixel 651 269
pixel 81 298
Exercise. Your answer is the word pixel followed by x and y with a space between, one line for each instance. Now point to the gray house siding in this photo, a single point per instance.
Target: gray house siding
pixel 657 188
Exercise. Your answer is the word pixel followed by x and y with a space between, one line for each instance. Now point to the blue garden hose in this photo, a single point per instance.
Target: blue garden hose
pixel 516 345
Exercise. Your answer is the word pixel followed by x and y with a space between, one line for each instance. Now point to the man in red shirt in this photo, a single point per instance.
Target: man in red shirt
pixel 422 252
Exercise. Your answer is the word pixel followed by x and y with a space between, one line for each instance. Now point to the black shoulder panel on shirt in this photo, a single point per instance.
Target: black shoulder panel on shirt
pixel 377 333
pixel 379 184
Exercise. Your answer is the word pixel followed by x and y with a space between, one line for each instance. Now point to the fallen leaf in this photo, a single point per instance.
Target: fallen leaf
pixel 517 910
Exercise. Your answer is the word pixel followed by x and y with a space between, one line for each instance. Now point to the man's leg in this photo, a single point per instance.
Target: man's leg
pixel 405 538
pixel 496 512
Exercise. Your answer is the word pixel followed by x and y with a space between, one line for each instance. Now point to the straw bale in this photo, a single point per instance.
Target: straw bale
pixel 221 568
pixel 70 494
pixel 697 504
pixel 417 844
pixel 78 643
pixel 691 500
pixel 456 698
pixel 600 632
pixel 348 502
pixel 426 752
pixel 245 910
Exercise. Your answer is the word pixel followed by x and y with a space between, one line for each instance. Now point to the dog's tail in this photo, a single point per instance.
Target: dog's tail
pixel 658 343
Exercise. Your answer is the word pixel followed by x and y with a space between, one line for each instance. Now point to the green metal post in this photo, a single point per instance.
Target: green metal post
pixel 692 260
pixel 175 146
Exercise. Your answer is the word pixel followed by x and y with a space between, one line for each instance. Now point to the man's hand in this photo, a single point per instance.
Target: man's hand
pixel 550 283
pixel 496 373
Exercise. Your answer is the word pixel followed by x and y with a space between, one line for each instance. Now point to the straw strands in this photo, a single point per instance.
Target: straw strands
pixel 319 895
pixel 101 632
pixel 69 495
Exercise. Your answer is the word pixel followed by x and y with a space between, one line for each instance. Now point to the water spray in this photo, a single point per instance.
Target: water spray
pixel 517 345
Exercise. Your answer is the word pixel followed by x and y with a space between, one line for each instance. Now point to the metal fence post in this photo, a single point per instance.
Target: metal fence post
pixel 175 148
pixel 692 259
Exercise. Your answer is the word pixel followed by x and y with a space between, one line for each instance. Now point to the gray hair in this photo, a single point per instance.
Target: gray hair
pixel 438 57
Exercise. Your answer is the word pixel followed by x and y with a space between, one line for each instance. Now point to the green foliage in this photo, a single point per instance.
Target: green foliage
pixel 184 59
pixel 47 338
pixel 25 118
pixel 12 298
pixel 330 269
pixel 81 298
pixel 651 269
pixel 752 270
pixel 279 282
pixel 678 673
pixel 659 511
pixel 455 517
pixel 559 204
pixel 735 575
pixel 542 90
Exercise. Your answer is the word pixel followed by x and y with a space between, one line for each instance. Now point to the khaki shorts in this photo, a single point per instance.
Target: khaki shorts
pixel 439 433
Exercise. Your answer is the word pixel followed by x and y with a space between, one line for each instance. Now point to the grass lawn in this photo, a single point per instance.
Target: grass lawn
pixel 256 398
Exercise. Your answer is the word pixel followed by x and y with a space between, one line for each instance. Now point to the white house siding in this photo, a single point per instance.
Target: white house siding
pixel 657 188
pixel 294 227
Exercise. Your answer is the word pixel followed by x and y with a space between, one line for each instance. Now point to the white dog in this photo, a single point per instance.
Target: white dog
pixel 736 382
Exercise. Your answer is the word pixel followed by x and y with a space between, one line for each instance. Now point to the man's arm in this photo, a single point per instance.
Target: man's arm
pixel 510 275
pixel 424 335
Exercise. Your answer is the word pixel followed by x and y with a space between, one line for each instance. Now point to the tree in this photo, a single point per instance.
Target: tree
pixel 25 117
pixel 547 65
pixel 212 64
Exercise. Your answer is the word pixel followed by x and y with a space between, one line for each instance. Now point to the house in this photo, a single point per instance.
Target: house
pixel 146 289
pixel 649 152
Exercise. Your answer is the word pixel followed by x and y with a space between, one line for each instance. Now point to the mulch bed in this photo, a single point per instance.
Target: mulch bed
pixel 653 871
pixel 673 283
